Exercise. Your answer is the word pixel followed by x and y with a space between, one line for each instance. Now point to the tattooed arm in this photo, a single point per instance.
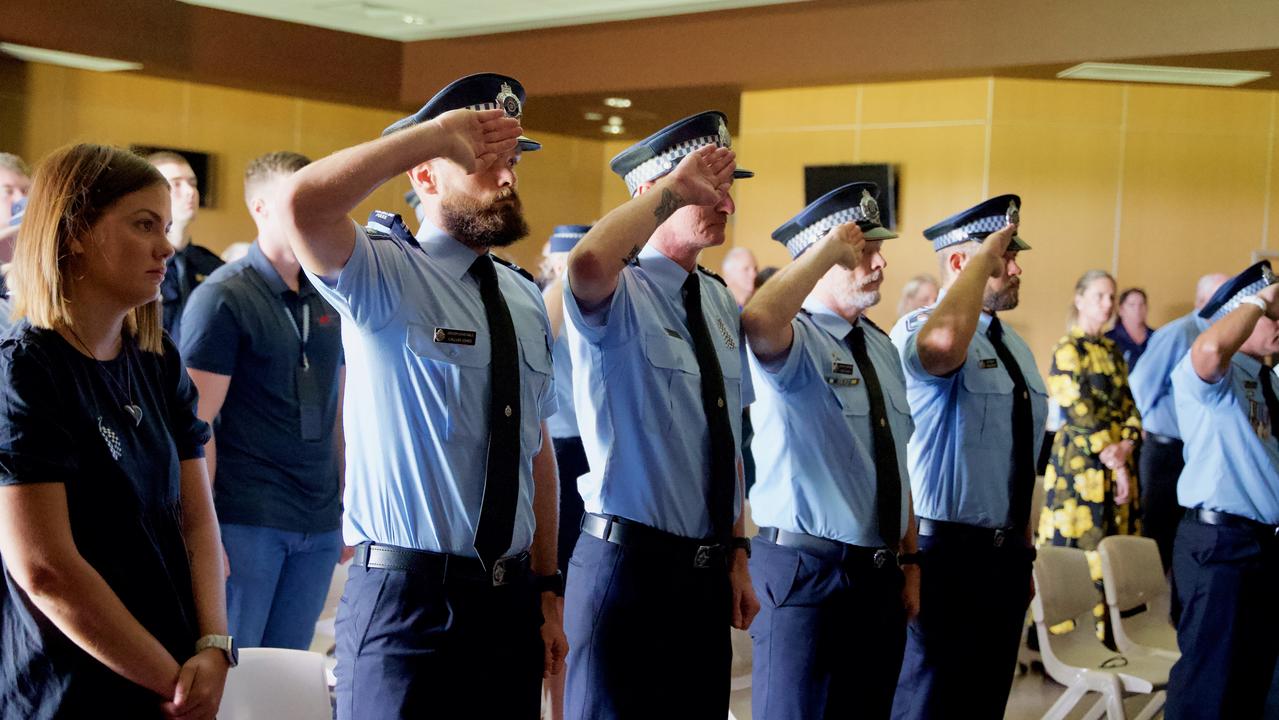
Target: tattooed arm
pixel 701 178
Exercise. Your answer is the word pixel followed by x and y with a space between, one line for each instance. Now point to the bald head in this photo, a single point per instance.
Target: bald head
pixel 1208 285
pixel 739 272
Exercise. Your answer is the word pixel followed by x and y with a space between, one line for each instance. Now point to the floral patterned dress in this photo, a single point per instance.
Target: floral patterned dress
pixel 1089 380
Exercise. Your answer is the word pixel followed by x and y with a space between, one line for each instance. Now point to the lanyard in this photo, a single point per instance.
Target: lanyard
pixel 303 333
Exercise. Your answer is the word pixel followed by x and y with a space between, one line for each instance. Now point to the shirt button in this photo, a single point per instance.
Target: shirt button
pixel 508 410
pixel 882 422
pixel 452 352
pixel 1025 395
pixel 720 402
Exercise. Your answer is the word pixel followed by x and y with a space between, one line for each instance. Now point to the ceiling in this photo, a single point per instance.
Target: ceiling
pixel 408 20
pixel 650 111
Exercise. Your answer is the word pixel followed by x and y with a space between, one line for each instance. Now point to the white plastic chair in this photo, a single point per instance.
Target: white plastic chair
pixel 276 684
pixel 1135 581
pixel 1064 591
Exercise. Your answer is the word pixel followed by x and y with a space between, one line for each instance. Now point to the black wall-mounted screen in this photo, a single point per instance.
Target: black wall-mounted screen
pixel 201 163
pixel 821 179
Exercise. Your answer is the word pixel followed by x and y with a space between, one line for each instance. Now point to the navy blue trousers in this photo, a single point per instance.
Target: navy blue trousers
pixel 570 458
pixel 961 650
pixel 829 636
pixel 410 646
pixel 1228 582
pixel 648 638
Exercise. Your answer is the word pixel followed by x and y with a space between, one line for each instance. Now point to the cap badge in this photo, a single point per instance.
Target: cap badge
pixel 1014 213
pixel 724 139
pixel 507 100
pixel 870 208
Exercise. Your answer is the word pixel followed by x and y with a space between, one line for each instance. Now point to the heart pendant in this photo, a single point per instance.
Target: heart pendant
pixel 136 412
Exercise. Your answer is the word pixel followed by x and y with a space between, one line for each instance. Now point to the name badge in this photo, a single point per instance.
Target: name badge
pixel 454 337
pixel 842 368
pixel 989 363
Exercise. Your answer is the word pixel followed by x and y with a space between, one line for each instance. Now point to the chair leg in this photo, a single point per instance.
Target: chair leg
pixel 1097 710
pixel 1152 708
pixel 1067 702
pixel 1114 695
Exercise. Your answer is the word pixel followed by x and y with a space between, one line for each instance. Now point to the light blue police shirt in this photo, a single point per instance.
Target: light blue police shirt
pixel 814 447
pixel 961 455
pixel 1232 456
pixel 639 400
pixel 563 424
pixel 417 387
pixel 1151 380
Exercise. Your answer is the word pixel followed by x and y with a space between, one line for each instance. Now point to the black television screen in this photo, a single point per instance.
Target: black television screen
pixel 821 179
pixel 201 163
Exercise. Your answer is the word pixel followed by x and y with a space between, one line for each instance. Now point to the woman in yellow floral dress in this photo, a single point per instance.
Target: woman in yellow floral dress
pixel 1091 480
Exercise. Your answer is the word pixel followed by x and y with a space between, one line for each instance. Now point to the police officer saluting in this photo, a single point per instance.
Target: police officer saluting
pixel 832 500
pixel 979 406
pixel 1226 556
pixel 451 487
pixel 658 356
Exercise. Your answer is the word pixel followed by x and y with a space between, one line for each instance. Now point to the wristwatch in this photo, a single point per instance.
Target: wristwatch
pixel 741 543
pixel 908 558
pixel 553 583
pixel 225 643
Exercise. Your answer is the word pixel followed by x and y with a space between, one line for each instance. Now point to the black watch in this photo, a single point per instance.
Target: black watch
pixel 553 583
pixel 908 558
pixel 741 543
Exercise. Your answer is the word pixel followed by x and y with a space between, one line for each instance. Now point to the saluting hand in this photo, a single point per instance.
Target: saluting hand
pixel 704 175
pixel 1271 296
pixel 475 139
pixel 848 243
pixel 996 245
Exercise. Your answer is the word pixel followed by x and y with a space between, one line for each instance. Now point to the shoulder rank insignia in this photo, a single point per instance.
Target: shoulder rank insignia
pixel 385 224
pixel 524 273
pixel 916 321
pixel 710 274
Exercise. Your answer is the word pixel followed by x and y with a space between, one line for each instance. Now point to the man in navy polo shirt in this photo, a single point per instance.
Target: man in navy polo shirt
pixel 265 352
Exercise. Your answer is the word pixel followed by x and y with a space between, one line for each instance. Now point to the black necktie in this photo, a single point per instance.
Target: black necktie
pixel 496 525
pixel 888 480
pixel 723 480
pixel 1272 400
pixel 1022 480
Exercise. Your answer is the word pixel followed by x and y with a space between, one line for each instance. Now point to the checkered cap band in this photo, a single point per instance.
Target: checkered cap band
pixel 1266 280
pixel 569 235
pixel 658 166
pixel 963 233
pixel 818 230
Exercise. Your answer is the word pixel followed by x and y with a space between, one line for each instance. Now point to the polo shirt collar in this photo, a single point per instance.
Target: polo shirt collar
pixel 259 262
pixel 449 254
pixel 664 271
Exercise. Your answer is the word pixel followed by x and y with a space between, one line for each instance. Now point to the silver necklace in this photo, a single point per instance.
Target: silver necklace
pixel 134 410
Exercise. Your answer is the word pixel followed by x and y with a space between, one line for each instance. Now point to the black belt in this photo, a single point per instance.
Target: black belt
pixel 448 568
pixel 1158 439
pixel 833 550
pixel 1221 519
pixel 994 537
pixel 628 533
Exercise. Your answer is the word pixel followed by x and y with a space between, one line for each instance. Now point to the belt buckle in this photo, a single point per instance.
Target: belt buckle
pixel 882 556
pixel 704 555
pixel 499 571
pixel 1000 534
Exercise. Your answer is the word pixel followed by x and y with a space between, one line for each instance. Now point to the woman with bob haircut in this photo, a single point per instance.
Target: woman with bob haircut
pixel 113 569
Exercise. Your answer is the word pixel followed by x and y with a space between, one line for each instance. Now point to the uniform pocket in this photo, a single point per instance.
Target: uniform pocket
pixel 453 360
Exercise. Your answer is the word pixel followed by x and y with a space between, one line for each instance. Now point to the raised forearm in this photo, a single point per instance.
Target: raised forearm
pixel 1214 348
pixel 944 339
pixel 767 318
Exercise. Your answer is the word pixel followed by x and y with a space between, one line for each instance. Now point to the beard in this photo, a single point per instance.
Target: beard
pixel 1003 299
pixel 861 298
pixel 480 225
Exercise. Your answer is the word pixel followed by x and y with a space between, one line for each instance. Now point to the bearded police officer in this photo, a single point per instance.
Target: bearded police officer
pixel 659 360
pixel 979 406
pixel 451 483
pixel 1226 557
pixel 832 500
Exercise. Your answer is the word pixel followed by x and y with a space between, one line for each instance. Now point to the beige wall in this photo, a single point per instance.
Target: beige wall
pixel 1156 184
pixel 56 106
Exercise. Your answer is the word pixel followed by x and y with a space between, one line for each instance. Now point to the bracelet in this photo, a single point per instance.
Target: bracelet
pixel 1256 301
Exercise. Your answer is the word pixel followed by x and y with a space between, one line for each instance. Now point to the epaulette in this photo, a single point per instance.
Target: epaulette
pixel 871 323
pixel 390 225
pixel 527 275
pixel 719 279
pixel 916 319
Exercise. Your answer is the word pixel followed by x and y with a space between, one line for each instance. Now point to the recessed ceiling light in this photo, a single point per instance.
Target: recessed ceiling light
pixel 612 129
pixel 413 19
pixel 593 116
pixel 1162 74
pixel 66 59
pixel 614 120
pixel 617 102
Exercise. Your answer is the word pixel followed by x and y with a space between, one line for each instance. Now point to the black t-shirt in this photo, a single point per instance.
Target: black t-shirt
pixel 63 419
pixel 184 272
